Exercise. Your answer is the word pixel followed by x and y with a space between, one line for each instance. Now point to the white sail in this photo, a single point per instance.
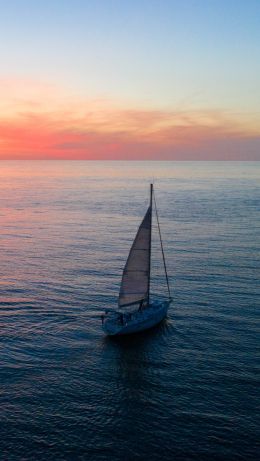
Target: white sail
pixel 136 274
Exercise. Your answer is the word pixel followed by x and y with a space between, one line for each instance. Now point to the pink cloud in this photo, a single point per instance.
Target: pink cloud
pixel 40 122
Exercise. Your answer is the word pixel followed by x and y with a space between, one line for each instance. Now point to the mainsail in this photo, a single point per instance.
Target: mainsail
pixel 136 275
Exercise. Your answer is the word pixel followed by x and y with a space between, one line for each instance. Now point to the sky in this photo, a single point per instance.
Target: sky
pixel 132 80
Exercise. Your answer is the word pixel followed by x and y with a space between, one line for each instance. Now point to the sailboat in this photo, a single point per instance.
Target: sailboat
pixel 136 310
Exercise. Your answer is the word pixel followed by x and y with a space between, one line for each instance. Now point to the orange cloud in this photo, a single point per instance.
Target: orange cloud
pixel 42 122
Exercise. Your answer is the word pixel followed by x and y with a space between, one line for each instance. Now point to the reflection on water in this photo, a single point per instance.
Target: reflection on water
pixel 186 389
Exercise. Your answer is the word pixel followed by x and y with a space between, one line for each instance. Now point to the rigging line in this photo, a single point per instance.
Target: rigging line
pixel 150 243
pixel 160 235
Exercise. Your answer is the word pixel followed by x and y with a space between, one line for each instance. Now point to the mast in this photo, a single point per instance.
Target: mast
pixel 150 245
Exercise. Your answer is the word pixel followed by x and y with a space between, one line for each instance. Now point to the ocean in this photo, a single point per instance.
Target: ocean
pixel 185 390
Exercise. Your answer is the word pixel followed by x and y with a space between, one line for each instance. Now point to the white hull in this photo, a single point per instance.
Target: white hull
pixel 114 324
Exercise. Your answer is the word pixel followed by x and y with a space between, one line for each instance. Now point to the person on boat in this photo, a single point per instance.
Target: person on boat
pixel 122 319
pixel 141 305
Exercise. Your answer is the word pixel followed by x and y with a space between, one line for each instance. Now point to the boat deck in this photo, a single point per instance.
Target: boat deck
pixel 116 323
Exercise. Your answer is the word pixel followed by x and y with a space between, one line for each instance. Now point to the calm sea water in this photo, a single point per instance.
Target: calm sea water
pixel 186 390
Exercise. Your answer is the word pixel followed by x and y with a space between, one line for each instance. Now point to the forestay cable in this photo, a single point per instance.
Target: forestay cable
pixel 164 262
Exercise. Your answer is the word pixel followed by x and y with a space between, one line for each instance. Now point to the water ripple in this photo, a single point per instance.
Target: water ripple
pixel 185 390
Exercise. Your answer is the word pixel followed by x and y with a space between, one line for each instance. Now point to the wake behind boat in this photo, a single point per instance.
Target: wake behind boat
pixel 136 311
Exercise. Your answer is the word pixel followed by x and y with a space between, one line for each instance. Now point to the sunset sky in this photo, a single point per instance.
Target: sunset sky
pixel 139 79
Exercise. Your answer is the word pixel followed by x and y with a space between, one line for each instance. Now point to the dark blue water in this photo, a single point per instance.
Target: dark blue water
pixel 186 390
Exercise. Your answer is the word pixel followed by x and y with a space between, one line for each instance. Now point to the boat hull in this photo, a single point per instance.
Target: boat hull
pixel 136 322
